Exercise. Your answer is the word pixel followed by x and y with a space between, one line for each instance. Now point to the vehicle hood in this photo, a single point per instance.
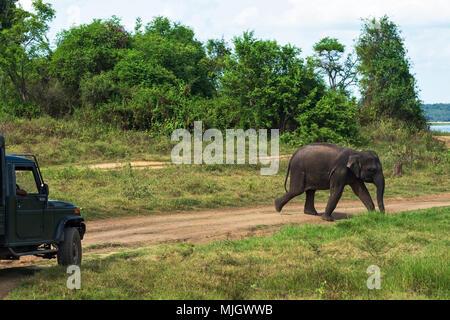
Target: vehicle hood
pixel 60 204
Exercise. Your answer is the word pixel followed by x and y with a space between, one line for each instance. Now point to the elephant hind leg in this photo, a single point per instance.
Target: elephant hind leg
pixel 280 202
pixel 297 187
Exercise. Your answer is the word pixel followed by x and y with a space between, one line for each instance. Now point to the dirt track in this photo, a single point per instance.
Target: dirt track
pixel 205 226
pixel 198 227
pixel 445 139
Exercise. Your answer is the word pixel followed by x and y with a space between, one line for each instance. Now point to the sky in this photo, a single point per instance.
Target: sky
pixel 425 25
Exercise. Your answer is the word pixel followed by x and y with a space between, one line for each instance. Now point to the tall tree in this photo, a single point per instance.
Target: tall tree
pixel 387 86
pixel 269 83
pixel 217 51
pixel 329 57
pixel 174 47
pixel 24 42
pixel 87 50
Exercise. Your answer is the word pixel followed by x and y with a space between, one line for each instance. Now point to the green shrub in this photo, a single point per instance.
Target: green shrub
pixel 332 119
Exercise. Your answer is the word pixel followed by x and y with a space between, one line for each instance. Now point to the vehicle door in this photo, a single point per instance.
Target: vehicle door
pixel 30 203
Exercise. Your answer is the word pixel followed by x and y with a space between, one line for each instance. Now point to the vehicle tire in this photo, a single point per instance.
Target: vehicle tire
pixel 69 252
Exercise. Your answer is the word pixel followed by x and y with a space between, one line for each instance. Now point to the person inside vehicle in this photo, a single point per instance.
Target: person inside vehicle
pixel 19 191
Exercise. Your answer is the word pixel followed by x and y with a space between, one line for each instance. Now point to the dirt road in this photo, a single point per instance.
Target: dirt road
pixel 198 227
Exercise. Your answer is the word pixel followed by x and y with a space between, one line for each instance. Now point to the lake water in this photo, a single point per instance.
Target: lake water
pixel 445 127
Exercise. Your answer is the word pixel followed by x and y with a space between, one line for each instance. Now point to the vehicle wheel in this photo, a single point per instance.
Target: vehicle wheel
pixel 69 252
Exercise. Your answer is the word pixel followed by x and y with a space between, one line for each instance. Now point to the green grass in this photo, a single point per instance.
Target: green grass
pixel 299 262
pixel 63 142
pixel 441 133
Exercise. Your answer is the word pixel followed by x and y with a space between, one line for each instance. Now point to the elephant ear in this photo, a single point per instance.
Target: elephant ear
pixel 354 165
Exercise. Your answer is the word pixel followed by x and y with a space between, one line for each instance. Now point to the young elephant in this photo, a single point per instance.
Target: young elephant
pixel 323 166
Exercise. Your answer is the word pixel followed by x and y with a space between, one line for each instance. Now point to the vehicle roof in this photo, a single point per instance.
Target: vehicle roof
pixel 16 159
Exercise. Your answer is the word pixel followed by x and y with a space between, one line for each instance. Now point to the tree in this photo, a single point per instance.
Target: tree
pixel 329 56
pixel 332 119
pixel 217 51
pixel 171 48
pixel 268 83
pixel 154 79
pixel 88 50
pixel 388 88
pixel 23 43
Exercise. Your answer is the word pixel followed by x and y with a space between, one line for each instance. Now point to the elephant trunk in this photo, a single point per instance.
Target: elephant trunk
pixel 379 183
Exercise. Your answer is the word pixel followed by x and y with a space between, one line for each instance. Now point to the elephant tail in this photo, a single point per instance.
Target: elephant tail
pixel 287 175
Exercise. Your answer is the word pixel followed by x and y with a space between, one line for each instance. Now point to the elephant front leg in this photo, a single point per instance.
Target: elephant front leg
pixel 335 196
pixel 359 188
pixel 309 204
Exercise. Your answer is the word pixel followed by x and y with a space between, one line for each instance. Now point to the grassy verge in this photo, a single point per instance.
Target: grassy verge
pixel 70 141
pixel 63 142
pixel 441 133
pixel 299 262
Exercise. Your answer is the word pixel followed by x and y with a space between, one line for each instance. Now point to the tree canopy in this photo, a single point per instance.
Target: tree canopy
pixel 7 13
pixel 23 42
pixel 329 57
pixel 387 86
pixel 269 83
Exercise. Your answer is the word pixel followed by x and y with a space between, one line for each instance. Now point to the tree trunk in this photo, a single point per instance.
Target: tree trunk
pixel 19 84
pixel 398 169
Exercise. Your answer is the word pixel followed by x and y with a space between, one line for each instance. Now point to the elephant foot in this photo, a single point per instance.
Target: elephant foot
pixel 277 205
pixel 311 212
pixel 327 217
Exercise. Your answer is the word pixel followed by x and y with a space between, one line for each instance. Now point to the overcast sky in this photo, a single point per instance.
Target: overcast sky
pixel 425 25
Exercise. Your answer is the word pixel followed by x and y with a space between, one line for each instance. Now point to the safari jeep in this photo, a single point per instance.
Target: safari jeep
pixel 30 223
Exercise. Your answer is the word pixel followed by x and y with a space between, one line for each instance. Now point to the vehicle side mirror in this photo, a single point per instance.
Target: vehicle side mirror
pixel 44 189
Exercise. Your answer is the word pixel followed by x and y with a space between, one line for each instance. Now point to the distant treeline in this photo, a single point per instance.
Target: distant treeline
pixel 437 112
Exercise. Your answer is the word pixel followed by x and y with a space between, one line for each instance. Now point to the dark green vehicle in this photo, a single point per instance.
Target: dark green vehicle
pixel 30 223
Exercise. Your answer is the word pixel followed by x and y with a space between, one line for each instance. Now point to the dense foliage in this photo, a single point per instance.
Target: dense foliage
pixel 159 77
pixel 387 86
pixel 24 49
pixel 269 84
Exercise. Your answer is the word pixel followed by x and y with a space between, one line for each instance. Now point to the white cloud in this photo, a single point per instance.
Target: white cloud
pixel 26 4
pixel 343 12
pixel 246 14
pixel 74 16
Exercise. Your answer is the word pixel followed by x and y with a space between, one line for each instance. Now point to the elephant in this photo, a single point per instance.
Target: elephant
pixel 323 166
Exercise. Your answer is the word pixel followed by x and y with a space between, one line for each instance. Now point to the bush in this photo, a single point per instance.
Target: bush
pixel 20 109
pixel 332 119
pixel 99 89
